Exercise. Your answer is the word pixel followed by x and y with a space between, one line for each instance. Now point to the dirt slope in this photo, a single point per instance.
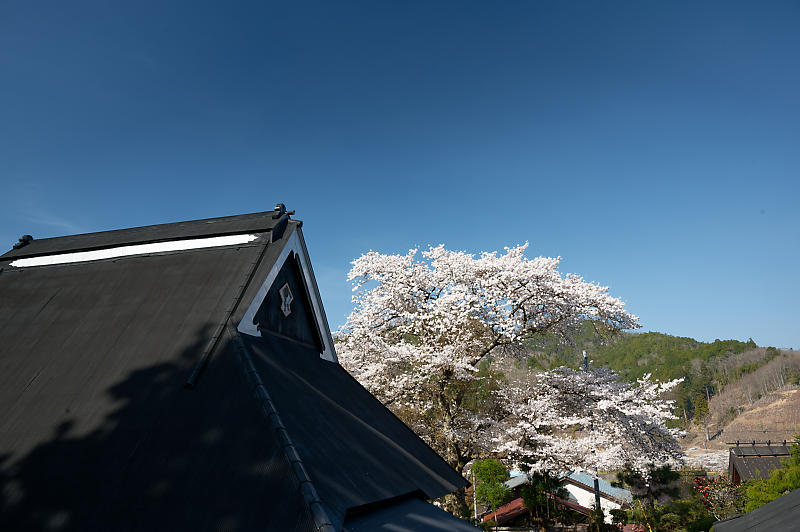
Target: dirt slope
pixel 775 417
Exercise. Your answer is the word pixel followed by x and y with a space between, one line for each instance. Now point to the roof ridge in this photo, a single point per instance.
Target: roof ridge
pixel 188 229
pixel 312 499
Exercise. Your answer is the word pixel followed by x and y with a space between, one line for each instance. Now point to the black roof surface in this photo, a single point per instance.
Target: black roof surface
pixel 355 451
pixel 227 225
pixel 99 432
pixel 412 515
pixel 757 461
pixel 781 514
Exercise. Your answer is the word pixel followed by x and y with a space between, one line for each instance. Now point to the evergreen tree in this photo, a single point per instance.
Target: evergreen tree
pixel 490 477
pixel 702 415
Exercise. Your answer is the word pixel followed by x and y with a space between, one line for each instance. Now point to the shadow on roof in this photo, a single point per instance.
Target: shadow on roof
pixel 162 458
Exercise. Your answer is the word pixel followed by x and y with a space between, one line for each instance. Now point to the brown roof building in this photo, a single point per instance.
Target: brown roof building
pixel 746 462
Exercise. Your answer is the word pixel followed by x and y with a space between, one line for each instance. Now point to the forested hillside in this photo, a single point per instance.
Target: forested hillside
pixel 706 367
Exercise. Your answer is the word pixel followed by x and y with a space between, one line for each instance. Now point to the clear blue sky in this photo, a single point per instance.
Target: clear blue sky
pixel 653 145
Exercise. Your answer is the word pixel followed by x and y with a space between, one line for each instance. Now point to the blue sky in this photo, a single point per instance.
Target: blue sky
pixel 654 146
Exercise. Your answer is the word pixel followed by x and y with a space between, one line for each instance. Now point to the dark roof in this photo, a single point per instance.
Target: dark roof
pixel 258 222
pixel 761 451
pixel 355 453
pixel 781 514
pixel 412 515
pixel 99 431
pixel 757 461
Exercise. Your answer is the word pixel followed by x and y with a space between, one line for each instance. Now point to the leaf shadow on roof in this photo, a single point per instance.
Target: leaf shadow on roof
pixel 163 458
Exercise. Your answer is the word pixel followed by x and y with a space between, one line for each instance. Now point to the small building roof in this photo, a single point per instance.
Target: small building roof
pixel 582 480
pixel 586 481
pixel 507 512
pixel 755 461
pixel 517 481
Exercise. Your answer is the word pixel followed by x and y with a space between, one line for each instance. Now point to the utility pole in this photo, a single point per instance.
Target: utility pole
pixel 591 428
pixel 475 496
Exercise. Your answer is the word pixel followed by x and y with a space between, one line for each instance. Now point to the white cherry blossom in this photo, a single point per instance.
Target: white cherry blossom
pixel 567 419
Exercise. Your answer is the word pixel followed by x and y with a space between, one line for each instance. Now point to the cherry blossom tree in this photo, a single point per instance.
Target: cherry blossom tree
pixel 421 327
pixel 587 420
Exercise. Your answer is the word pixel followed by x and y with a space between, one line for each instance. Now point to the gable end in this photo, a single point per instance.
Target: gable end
pixel 288 304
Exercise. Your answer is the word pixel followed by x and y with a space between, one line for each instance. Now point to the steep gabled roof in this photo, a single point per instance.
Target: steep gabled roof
pixel 131 399
pixel 353 451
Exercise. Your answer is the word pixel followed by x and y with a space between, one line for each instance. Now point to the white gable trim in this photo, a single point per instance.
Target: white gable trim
pixel 134 249
pixel 297 245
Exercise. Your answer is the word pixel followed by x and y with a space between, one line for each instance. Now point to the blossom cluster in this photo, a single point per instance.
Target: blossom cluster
pixel 588 420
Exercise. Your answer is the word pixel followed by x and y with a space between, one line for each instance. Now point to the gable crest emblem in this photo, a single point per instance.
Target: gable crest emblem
pixel 286 299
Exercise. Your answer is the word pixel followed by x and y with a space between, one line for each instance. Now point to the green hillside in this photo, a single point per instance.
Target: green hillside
pixel 631 354
pixel 666 357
